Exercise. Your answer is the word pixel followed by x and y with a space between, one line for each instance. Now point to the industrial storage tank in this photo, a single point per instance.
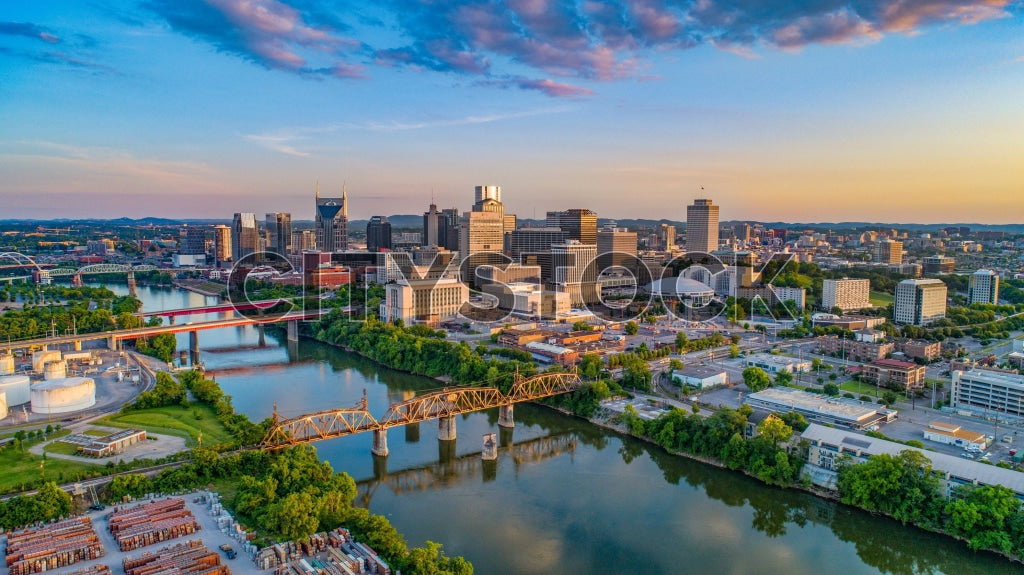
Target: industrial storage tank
pixel 63 395
pixel 55 370
pixel 6 364
pixel 16 387
pixel 3 405
pixel 39 358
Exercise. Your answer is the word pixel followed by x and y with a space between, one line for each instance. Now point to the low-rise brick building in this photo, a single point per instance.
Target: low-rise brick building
pixel 854 350
pixel 926 350
pixel 901 375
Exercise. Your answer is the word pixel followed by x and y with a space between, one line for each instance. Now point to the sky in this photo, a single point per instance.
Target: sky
pixel 805 111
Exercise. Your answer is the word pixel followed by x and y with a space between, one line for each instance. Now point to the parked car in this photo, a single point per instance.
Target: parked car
pixel 228 551
pixel 97 507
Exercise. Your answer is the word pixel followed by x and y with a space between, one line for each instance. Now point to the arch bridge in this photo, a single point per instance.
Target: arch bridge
pixel 442 405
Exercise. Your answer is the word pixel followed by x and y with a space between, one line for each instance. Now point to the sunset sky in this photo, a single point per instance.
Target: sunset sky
pixel 819 110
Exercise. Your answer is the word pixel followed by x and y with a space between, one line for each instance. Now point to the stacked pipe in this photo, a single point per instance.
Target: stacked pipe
pixel 189 558
pixel 56 545
pixel 151 523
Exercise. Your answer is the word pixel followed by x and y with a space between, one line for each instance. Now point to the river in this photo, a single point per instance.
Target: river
pixel 564 496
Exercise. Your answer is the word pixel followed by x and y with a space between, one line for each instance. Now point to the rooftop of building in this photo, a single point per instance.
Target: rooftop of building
pixel 770 359
pixel 959 467
pixel 980 373
pixel 699 371
pixel 894 364
pixel 837 407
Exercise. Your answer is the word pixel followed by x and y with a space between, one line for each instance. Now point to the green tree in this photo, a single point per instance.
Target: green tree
pixel 982 515
pixel 632 328
pixel 831 389
pixel 756 379
pixel 590 366
pixel 783 377
pixel 890 397
pixel 293 517
pixel 682 342
pixel 734 351
pixel 774 430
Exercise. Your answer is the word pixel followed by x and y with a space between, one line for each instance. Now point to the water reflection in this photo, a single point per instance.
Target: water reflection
pixel 609 505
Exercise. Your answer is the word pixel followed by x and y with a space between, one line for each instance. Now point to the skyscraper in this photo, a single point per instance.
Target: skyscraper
pixel 433 220
pixel 889 252
pixel 919 302
pixel 487 193
pixel 193 240
pixel 279 233
pixel 846 294
pixel 378 234
pixel 702 226
pixel 332 222
pixel 573 270
pixel 222 243
pixel 615 246
pixel 449 232
pixel 580 224
pixel 245 236
pixel 984 287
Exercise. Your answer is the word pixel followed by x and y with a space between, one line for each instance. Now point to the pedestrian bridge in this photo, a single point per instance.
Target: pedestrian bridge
pixel 442 405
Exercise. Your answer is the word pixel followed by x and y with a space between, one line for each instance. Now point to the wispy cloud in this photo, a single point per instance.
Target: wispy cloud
pixel 561 40
pixel 28 30
pixel 290 141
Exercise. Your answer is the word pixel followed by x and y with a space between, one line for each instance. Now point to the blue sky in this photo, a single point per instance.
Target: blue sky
pixel 804 111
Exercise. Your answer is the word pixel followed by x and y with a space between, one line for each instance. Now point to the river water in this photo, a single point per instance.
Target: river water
pixel 564 496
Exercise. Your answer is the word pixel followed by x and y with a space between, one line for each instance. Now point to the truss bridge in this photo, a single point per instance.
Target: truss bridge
pixel 442 405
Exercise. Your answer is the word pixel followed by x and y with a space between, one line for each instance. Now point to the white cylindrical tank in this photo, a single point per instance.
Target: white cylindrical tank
pixel 55 370
pixel 39 358
pixel 63 395
pixel 16 387
pixel 6 364
pixel 3 405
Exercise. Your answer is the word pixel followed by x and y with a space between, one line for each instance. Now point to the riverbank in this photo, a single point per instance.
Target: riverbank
pixel 201 287
pixel 724 437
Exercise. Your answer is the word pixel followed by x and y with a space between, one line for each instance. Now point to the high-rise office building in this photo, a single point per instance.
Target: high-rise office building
pixel 580 224
pixel 279 233
pixel 448 229
pixel 846 294
pixel 983 287
pixel 432 223
pixel 332 222
pixel 667 235
pixel 702 226
pixel 573 270
pixel 932 265
pixel 616 247
pixel 889 252
pixel 487 193
pixel 378 234
pixel 222 243
pixel 303 240
pixel 532 241
pixel 245 236
pixel 920 301
pixel 193 241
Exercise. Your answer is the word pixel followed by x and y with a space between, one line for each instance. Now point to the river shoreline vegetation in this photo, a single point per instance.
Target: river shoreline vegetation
pixel 904 487
pixel 288 494
pixel 61 309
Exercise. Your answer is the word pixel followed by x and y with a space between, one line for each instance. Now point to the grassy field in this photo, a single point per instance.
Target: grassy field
pixel 858 388
pixel 62 448
pixel 174 420
pixel 22 469
pixel 878 298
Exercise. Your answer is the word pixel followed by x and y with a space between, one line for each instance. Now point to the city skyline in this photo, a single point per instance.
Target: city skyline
pixel 880 111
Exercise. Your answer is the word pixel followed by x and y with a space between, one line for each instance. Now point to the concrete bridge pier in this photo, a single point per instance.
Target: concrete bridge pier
pixel 193 346
pixel 293 330
pixel 505 418
pixel 380 443
pixel 412 433
pixel 112 344
pixel 263 335
pixel 490 448
pixel 131 285
pixel 170 320
pixel 446 428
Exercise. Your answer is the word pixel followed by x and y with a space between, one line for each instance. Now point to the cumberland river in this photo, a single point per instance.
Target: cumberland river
pixel 564 496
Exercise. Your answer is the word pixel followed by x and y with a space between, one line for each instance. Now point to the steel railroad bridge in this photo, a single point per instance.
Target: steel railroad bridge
pixel 442 405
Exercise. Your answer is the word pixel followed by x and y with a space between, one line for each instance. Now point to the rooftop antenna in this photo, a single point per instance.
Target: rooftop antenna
pixel 318 189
